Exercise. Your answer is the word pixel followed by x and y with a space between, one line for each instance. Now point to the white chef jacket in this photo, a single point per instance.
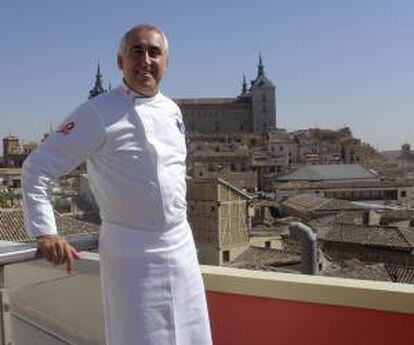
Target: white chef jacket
pixel 135 150
pixel 136 164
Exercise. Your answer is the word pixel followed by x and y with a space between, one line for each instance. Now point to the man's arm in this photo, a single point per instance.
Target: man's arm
pixel 80 136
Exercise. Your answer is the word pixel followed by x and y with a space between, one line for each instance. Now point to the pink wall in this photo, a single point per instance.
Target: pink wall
pixel 246 320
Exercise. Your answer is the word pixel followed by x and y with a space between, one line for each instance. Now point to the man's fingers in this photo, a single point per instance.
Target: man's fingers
pixel 69 259
pixel 75 254
pixel 52 255
pixel 60 252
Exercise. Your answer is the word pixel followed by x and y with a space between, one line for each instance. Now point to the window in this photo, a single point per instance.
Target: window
pixel 403 194
pixel 226 255
pixel 267 244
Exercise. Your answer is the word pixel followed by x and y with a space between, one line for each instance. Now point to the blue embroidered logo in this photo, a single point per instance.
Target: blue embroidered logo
pixel 181 127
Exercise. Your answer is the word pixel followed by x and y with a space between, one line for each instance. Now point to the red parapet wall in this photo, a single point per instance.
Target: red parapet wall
pixel 248 320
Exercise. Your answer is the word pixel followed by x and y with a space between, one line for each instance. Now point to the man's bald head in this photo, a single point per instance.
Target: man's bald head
pixel 143 57
pixel 141 27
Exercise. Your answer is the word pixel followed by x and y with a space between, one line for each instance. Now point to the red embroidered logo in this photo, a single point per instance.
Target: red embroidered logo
pixel 66 128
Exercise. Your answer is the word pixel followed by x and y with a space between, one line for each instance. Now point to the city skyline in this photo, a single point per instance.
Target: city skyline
pixel 334 64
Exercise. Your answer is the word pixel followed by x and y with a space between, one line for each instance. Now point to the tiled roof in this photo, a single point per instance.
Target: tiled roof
pixel 337 204
pixel 408 234
pixel 213 182
pixel 329 172
pixel 309 203
pixel 304 202
pixel 377 236
pixel 400 274
pixel 329 184
pixel 12 226
pixel 356 269
pixel 347 217
pixel 394 215
pixel 264 259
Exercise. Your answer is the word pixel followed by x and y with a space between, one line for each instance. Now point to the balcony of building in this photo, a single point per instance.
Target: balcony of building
pixel 41 304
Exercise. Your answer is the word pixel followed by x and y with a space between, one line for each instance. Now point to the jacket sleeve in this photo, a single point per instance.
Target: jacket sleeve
pixel 80 136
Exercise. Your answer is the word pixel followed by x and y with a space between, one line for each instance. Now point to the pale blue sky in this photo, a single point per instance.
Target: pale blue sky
pixel 334 62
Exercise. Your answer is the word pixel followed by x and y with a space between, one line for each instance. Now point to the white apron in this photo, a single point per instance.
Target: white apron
pixel 160 275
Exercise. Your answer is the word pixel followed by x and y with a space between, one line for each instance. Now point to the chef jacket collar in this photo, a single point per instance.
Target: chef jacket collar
pixel 135 96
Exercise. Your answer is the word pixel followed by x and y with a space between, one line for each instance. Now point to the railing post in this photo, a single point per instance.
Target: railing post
pixel 5 321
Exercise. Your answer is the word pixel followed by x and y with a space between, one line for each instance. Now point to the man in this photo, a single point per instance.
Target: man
pixel 133 140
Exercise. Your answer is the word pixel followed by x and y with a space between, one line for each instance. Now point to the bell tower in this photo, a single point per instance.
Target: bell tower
pixel 263 100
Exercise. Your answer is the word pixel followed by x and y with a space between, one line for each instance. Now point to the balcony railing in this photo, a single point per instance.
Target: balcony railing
pixel 17 253
pixel 42 303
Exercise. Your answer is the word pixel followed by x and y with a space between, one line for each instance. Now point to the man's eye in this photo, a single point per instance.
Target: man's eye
pixel 154 52
pixel 136 50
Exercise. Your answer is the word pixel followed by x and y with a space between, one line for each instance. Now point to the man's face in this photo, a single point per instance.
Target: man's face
pixel 143 61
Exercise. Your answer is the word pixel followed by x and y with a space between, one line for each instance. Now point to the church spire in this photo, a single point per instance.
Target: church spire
pixel 97 88
pixel 244 85
pixel 260 68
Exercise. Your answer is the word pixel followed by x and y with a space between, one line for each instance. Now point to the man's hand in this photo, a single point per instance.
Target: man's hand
pixel 56 249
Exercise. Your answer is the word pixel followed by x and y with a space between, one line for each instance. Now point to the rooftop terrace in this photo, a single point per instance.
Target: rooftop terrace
pixel 41 304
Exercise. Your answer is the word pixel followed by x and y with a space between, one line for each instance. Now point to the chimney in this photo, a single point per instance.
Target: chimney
pixel 308 246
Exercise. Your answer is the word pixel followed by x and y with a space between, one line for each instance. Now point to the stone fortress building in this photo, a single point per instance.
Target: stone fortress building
pixel 254 110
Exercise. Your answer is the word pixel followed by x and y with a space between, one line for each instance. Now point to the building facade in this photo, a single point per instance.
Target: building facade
pixel 254 110
pixel 220 217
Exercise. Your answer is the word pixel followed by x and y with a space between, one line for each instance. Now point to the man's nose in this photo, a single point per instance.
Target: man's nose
pixel 147 58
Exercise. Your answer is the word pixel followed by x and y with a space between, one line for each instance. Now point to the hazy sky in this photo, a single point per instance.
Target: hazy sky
pixel 334 62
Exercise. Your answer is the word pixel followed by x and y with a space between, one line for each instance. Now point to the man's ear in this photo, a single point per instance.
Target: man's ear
pixel 120 62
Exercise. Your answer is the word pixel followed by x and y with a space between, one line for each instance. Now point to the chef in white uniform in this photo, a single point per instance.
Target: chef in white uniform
pixel 132 138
